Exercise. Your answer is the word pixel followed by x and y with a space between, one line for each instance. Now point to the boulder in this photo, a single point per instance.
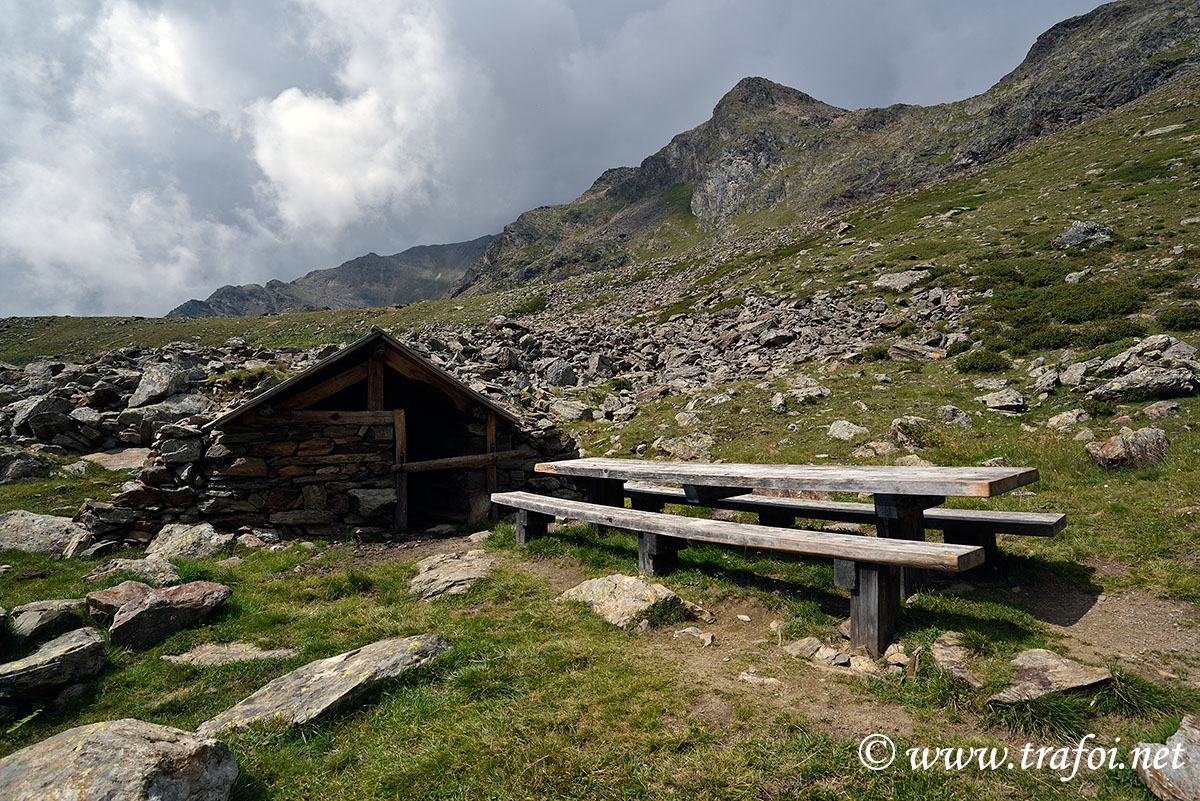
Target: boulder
pixel 1147 382
pixel 227 653
pixel 158 614
pixel 105 603
pixel 949 654
pixel 66 659
pixel 34 533
pixel 955 416
pixel 1040 672
pixel 146 420
pixel 689 447
pixel 1140 448
pixel 374 502
pixel 181 451
pixel 449 573
pixel 1161 410
pixel 188 541
pixel 570 410
pixel 154 569
pixel 1068 419
pixel 327 685
pixel 120 760
pixel 900 281
pixel 34 621
pixel 846 431
pixel 1006 400
pixel 127 459
pixel 21 465
pixel 1179 778
pixel 560 373
pixel 159 381
pixel 620 599
pixel 1082 234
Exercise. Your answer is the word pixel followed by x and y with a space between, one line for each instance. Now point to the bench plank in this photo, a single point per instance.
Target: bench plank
pixel 1029 524
pixel 908 553
pixel 881 479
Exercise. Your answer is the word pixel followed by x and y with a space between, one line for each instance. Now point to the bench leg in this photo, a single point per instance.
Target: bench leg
pixel 643 504
pixel 903 517
pixel 779 518
pixel 874 607
pixel 983 539
pixel 530 525
pixel 657 554
pixel 606 491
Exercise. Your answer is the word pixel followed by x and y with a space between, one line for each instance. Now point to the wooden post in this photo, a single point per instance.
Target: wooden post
pixel 963 535
pixel 874 605
pixel 608 491
pixel 531 525
pixel 780 518
pixel 375 382
pixel 401 436
pixel 490 447
pixel 657 554
pixel 902 517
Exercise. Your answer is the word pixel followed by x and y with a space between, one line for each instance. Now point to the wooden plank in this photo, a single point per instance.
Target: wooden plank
pixel 874 607
pixel 375 379
pixel 326 388
pixel 1029 524
pixel 470 460
pixel 963 481
pixel 400 426
pixel 321 417
pixel 932 555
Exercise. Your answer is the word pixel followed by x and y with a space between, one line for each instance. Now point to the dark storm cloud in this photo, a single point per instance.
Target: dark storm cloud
pixel 152 151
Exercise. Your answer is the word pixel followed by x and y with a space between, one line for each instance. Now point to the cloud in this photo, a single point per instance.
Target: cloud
pixel 153 150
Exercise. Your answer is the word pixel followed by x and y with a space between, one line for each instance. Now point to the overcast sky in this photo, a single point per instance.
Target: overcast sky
pixel 153 151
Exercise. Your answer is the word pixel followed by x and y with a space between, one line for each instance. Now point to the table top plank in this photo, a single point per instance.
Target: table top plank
pixel 978 482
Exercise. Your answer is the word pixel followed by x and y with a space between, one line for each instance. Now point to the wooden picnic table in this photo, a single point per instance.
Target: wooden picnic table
pixel 900 494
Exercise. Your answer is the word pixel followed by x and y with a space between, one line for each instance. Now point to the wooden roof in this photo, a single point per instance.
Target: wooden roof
pixel 421 368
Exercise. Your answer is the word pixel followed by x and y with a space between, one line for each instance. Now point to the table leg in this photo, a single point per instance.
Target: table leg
pixel 984 539
pixel 874 607
pixel 903 517
pixel 657 554
pixel 606 491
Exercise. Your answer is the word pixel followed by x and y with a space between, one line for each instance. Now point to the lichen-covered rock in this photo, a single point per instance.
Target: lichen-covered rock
pixel 64 660
pixel 1179 778
pixel 622 599
pixel 158 381
pixel 34 533
pixel 949 654
pixel 1082 234
pixel 158 614
pixel 689 447
pixel 188 541
pixel 1140 448
pixel 1148 382
pixel 154 569
pixel 1040 672
pixel 120 760
pixel 227 653
pixel 847 431
pixel 901 281
pixel 449 573
pixel 322 687
pixel 1005 400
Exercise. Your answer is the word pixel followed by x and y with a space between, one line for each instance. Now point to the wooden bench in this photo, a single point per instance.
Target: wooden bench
pixel 964 526
pixel 867 566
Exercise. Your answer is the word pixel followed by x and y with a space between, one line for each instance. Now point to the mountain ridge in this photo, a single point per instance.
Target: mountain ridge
pixel 422 272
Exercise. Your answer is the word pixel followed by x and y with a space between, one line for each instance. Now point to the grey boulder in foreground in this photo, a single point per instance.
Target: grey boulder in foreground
pixel 120 760
pixel 321 688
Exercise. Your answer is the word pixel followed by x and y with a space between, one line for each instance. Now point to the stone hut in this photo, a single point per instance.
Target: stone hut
pixel 371 436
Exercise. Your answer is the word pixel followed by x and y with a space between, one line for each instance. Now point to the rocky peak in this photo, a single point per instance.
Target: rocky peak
pixel 758 95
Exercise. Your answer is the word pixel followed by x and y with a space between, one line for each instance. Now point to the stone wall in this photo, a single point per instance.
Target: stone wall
pixel 304 480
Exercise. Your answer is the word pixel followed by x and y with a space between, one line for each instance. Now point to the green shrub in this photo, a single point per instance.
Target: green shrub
pixel 1091 336
pixel 1098 408
pixel 875 353
pixel 1188 293
pixel 982 361
pixel 1183 318
pixel 961 346
pixel 908 328
pixel 530 305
